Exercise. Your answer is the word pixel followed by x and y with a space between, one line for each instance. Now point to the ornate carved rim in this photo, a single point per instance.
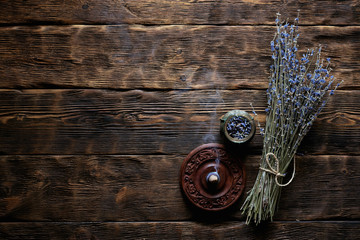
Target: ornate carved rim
pixel 195 169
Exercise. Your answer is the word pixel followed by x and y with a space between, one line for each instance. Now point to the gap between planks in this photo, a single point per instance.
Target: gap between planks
pixel 49 24
pixel 176 221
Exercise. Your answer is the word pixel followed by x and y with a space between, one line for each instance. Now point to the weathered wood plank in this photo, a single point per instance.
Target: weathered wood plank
pixel 180 230
pixel 140 122
pixel 328 12
pixel 160 57
pixel 146 187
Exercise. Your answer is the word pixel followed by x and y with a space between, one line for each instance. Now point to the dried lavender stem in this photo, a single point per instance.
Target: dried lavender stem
pixel 298 91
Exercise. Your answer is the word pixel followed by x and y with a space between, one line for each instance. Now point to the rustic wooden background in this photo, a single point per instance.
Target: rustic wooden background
pixel 100 102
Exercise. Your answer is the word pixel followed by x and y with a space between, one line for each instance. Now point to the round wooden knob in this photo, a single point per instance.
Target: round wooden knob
pixel 213 179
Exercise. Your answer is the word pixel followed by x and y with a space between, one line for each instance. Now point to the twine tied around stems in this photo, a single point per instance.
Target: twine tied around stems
pixel 276 171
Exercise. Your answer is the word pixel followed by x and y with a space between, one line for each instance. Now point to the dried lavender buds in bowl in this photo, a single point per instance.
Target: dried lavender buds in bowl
pixel 237 126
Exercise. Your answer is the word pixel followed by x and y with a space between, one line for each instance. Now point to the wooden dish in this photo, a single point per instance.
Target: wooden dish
pixel 210 185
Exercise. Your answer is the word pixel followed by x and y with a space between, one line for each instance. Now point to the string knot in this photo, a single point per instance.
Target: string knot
pixel 276 171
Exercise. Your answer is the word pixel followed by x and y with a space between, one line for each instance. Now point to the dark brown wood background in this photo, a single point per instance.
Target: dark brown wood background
pixel 100 102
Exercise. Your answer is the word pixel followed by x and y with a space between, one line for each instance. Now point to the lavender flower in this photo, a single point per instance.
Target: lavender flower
pixel 298 90
pixel 238 127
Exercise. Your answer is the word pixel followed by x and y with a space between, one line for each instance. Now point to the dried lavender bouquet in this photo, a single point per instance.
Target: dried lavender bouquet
pixel 298 90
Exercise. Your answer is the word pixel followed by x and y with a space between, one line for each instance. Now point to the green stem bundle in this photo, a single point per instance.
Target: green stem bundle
pixel 298 91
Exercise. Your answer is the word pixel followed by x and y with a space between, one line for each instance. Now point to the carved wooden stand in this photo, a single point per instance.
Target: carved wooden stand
pixel 210 185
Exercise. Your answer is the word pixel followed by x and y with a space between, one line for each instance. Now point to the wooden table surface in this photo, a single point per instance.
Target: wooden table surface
pixel 101 101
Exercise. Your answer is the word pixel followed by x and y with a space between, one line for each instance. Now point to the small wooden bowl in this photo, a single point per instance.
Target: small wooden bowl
pixel 228 117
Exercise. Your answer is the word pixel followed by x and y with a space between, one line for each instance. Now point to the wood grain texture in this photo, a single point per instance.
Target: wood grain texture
pixel 180 230
pixel 159 57
pixel 328 12
pixel 146 188
pixel 160 122
pixel 100 101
